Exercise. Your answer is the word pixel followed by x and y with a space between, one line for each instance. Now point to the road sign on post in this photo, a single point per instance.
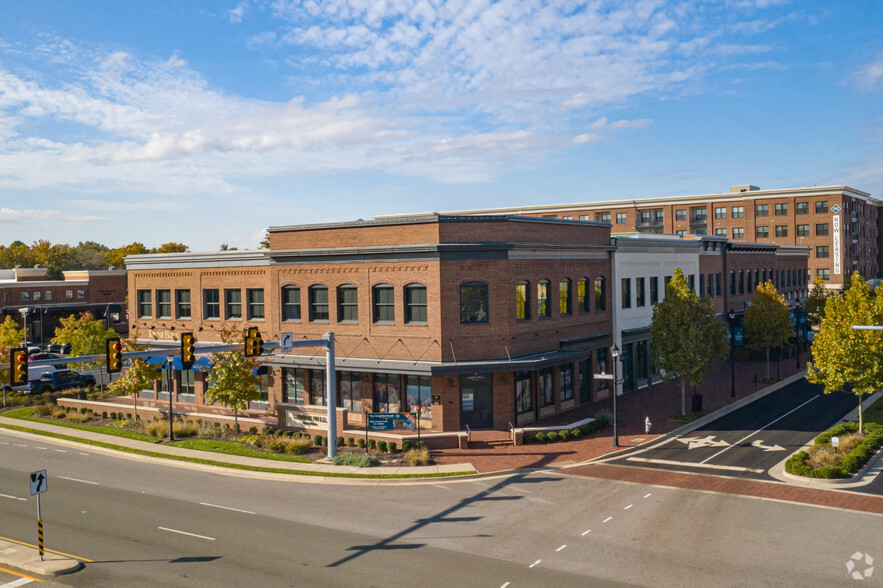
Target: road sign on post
pixel 285 340
pixel 38 482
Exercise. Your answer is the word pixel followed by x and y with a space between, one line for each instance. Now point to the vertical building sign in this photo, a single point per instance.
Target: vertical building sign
pixel 837 257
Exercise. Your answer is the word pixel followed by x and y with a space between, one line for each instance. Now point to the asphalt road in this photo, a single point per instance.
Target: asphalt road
pixel 749 441
pixel 145 524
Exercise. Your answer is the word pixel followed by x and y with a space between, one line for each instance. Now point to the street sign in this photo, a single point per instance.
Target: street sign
pixel 603 376
pixel 39 481
pixel 285 342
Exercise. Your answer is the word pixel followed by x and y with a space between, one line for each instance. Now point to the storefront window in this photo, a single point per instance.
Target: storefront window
pixel 420 395
pixel 318 395
pixel 350 396
pixel 602 365
pixel 387 393
pixel 545 388
pixel 185 386
pixel 263 387
pixel 295 387
pixel 566 374
pixel 523 398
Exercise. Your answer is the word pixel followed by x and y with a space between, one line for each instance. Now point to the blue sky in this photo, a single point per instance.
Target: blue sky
pixel 206 122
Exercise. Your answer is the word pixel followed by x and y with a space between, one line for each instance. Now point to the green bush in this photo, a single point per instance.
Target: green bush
pixel 185 429
pixel 361 443
pixel 324 441
pixel 418 457
pixel 603 418
pixel 372 444
pixel 253 431
pixel 392 446
pixel 266 431
pixel 317 440
pixel 289 434
pixel 156 428
pixel 851 463
pixel 277 445
pixel 553 436
pixel 104 414
pixel 279 433
pixel 540 437
pixel 564 435
pixel 113 416
pixel 350 442
pixel 340 442
pixel 355 459
pixel 576 433
pixel 45 409
pixel 420 445
pixel 382 446
pixel 406 445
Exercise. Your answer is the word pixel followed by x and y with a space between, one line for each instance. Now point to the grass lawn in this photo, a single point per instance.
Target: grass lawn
pixel 26 414
pixel 234 448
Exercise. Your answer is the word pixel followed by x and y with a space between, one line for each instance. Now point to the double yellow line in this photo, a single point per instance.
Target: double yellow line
pixel 20 575
pixel 35 547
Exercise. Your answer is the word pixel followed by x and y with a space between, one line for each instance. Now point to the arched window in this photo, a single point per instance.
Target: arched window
pixel 318 303
pixel 600 293
pixel 582 295
pixel 415 303
pixel 384 303
pixel 564 297
pixel 474 302
pixel 544 310
pixel 347 303
pixel 522 301
pixel 733 282
pixel 741 281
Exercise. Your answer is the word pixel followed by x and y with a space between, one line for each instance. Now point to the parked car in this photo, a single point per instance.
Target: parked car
pixel 43 355
pixel 31 347
pixel 64 348
pixel 61 380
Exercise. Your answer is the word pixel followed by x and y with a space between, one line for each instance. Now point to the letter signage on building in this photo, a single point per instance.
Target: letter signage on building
pixel 836 223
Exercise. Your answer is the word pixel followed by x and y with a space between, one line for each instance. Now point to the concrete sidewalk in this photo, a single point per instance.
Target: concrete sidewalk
pixel 25 557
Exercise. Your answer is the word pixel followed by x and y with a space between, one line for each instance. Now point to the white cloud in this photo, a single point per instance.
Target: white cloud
pixel 869 76
pixel 11 216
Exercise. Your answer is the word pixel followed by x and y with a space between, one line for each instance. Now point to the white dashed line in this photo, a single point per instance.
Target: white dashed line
pixel 628 507
pixel 534 563
pixel 19 445
pixel 586 532
pixel 60 450
pixel 607 519
pixel 4 443
pixel 14 497
pixel 81 453
pixel 186 533
pixel 648 495
pixel 78 480
pixel 504 585
pixel 41 448
pixel 227 508
pixel 560 548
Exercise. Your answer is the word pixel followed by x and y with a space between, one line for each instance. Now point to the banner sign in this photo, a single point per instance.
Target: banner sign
pixel 391 421
pixel 739 338
pixel 837 256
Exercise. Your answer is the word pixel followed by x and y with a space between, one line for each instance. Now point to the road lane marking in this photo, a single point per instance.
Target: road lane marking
pixel 78 480
pixel 586 532
pixel 648 495
pixel 628 507
pixel 504 585
pixel 534 563
pixel 19 445
pixel 87 560
pixel 562 547
pixel 14 497
pixel 607 519
pixel 186 533
pixel 688 464
pixel 81 453
pixel 20 582
pixel 61 450
pixel 4 442
pixel 40 448
pixel 745 438
pixel 227 508
pixel 21 575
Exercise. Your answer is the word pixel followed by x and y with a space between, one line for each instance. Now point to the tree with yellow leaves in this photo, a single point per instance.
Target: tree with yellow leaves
pixel 767 321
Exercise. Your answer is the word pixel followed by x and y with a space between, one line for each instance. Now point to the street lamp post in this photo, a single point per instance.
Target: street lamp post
pixel 614 353
pixel 732 316
pixel 24 315
pixel 797 336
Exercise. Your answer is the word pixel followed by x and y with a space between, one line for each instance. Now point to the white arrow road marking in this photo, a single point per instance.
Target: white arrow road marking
pixel 759 444
pixel 695 442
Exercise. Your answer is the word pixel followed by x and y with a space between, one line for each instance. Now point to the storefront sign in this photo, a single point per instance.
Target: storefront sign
pixel 836 223
pixel 391 421
pixel 301 419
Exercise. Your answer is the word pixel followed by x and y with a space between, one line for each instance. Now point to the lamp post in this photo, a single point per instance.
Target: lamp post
pixel 614 353
pixel 797 335
pixel 24 315
pixel 732 316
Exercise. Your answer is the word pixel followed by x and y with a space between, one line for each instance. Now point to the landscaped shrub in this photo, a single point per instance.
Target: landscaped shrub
pixel 382 446
pixel 266 431
pixel 45 409
pixel 420 445
pixel 355 459
pixel 392 446
pixel 324 442
pixel 298 446
pixel 156 428
pixel 279 433
pixel 553 436
pixel 76 417
pixel 317 440
pixel 277 445
pixel 59 414
pixel 540 437
pixel 289 434
pixel 104 414
pixel 340 442
pixel 113 416
pixel 372 444
pixel 603 419
pixel 129 416
pixel 253 430
pixel 185 429
pixel 350 442
pixel 417 457
pixel 406 445
pixel 576 433
pixel 564 435
pixel 801 463
pixel 361 443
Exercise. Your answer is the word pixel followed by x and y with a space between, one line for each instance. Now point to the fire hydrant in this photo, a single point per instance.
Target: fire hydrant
pixel 647 425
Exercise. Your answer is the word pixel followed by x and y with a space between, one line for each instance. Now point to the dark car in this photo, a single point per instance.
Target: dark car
pixel 62 380
pixel 43 355
pixel 64 348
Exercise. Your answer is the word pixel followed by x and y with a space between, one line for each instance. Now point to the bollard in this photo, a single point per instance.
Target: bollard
pixel 647 425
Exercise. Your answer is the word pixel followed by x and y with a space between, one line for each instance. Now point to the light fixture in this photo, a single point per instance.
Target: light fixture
pixel 732 314
pixel 614 351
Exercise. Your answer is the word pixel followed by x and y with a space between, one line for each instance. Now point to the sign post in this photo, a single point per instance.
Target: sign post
pixel 39 482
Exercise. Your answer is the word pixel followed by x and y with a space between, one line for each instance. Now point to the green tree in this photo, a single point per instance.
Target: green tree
pixel 140 375
pixel 767 321
pixel 815 302
pixel 170 248
pixel 86 335
pixel 11 335
pixel 843 356
pixel 91 255
pixel 231 380
pixel 265 242
pixel 16 254
pixel 115 257
pixel 687 337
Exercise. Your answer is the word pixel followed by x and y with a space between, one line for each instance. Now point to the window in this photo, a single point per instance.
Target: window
pixel 81 294
pixel 290 303
pixel 186 383
pixel 720 212
pixel 583 217
pixel 386 393
pixel 474 303
pixel 822 252
pixel 384 304
pixel 350 396
pixel 564 297
pixel 762 210
pixel 681 215
pixel 601 358
pixel 717 284
pixel 582 295
pixel 600 294
pixel 640 298
pixel 145 308
pixel 415 303
pixel 294 385
pixel 25 296
pixel 182 304
pixel 318 303
pixel 699 214
pixel 626 292
pixel 720 232
pixel 654 290
pixel 565 375
pixel 232 304
pixel 733 282
pixel 681 233
pixel 566 218
pixel 602 217
pixel 710 289
pixel 543 309
pixel 38 296
pixel 781 209
pixel 68 294
pixel 347 303
pixel 545 387
pixel 738 212
pixel 523 397
pixel 781 230
pixel 620 218
pixel 419 395
pixel 823 273
pixel 821 229
pixel 803 230
pixel 48 296
pixel 821 206
pixel 691 281
pixel 255 299
pixel 318 395
pixel 741 281
pixel 763 232
pixel 211 304
pixel 801 208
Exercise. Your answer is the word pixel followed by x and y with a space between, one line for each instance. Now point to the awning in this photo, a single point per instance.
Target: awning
pixel 200 363
pixel 261 370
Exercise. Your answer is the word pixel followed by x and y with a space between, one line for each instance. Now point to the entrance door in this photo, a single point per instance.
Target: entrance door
pixel 476 402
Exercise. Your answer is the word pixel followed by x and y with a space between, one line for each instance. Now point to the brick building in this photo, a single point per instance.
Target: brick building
pixel 101 292
pixel 840 225
pixel 473 320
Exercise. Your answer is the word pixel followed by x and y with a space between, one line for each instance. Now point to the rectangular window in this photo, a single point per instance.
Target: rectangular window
pixel 81 294
pixel 232 304
pixel 626 293
pixel 763 232
pixel 387 392
pixel 211 303
pixel 620 218
pixel 801 208
pixel 543 308
pixel 691 282
pixel 601 358
pixel 643 360
pixel 38 296
pixel 255 299
pixel 384 304
pixel 474 303
pixel 163 304
pixel 545 387
pixel 523 397
pixel 48 296
pixel 318 394
pixel 701 286
pixel 803 230
pixel 823 273
pixel 738 212
pixel 25 296
pixel 681 215
pixel 565 374
pixel 720 212
pixel 318 303
pixel 762 210
pixel 710 289
pixel 738 232
pixel 781 230
pixel 415 303
pixel 654 290
pixel 182 304
pixel 699 214
pixel 781 209
pixel 602 217
pixel 68 294
pixel 186 385
pixel 717 284
pixel 294 386
pixel 566 218
pixel 822 252
pixel 821 206
pixel 600 294
pixel 145 308
pixel 583 217
pixel 565 297
pixel 419 395
pixel 640 299
pixel 681 233
pixel 350 396
pixel 290 303
pixel 347 304
pixel 720 232
pixel 582 295
pixel 821 229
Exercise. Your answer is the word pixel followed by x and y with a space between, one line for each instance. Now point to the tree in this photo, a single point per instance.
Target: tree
pixel 11 335
pixel 687 337
pixel 265 242
pixel 843 356
pixel 86 336
pixel 767 321
pixel 231 380
pixel 115 257
pixel 170 248
pixel 139 375
pixel 815 302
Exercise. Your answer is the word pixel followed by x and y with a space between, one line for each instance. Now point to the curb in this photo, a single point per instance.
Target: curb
pixel 25 557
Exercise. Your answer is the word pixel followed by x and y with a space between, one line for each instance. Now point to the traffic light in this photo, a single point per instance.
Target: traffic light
pixel 18 366
pixel 188 353
pixel 254 344
pixel 114 355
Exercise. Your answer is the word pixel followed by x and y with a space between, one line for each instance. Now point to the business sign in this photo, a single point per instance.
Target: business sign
pixel 298 418
pixel 391 421
pixel 837 256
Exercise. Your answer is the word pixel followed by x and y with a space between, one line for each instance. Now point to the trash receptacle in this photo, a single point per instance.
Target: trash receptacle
pixel 697 402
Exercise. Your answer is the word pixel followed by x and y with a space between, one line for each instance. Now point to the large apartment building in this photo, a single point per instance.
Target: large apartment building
pixel 840 225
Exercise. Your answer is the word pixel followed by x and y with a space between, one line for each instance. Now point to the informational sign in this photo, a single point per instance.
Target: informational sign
pixel 39 482
pixel 391 421
pixel 738 336
pixel 835 441
pixel 285 342
pixel 837 255
pixel 305 419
